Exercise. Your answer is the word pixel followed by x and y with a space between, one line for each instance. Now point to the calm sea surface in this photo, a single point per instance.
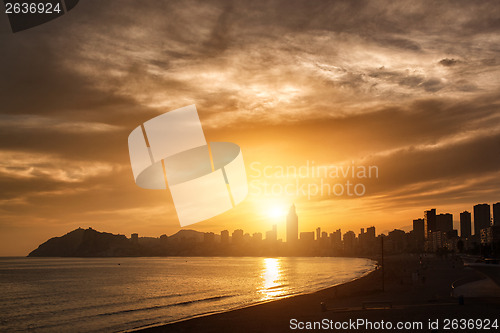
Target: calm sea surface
pixel 113 294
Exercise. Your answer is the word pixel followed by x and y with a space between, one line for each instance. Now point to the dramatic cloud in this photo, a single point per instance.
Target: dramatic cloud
pixel 411 87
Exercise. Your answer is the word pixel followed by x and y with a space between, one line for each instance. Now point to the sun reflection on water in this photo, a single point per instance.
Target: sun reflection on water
pixel 272 278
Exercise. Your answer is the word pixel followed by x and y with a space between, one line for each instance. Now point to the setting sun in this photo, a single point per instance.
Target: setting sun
pixel 276 212
pixel 273 210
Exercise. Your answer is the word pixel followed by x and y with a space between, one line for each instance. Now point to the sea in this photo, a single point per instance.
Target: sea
pixel 117 294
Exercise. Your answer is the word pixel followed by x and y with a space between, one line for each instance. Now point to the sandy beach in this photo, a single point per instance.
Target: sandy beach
pixel 413 292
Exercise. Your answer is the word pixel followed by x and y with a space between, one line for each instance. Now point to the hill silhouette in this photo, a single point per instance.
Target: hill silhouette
pixel 92 243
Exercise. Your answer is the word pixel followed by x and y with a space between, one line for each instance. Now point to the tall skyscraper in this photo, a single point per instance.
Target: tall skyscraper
pixel 349 241
pixel 336 238
pixel 318 233
pixel 292 226
pixel 370 232
pixel 429 221
pixel 496 214
pixel 419 231
pixel 482 218
pixel 444 222
pixel 465 224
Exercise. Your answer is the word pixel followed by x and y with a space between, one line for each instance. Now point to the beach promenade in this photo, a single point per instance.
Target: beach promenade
pixel 414 291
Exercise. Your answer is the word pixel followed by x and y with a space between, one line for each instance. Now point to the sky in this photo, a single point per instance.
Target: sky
pixel 411 88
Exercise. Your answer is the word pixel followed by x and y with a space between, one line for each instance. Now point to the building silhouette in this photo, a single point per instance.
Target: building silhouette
pixel 366 239
pixel 496 214
pixel 257 236
pixel 134 238
pixel 336 239
pixel 465 224
pixel 482 218
pixel 370 232
pixel 272 235
pixel 307 237
pixel 224 236
pixel 292 226
pixel 419 233
pixel 237 236
pixel 349 242
pixel 444 222
pixel 429 222
pixel 209 238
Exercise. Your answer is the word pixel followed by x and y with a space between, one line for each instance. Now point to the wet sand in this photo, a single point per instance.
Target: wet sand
pixel 406 297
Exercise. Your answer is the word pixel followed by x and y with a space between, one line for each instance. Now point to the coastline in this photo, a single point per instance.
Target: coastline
pixel 427 298
pixel 347 284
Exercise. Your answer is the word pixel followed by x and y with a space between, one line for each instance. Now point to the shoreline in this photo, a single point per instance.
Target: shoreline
pixel 214 313
pixel 333 288
pixel 404 299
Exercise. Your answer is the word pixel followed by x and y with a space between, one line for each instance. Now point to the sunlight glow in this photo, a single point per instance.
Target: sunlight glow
pixel 273 210
pixel 272 278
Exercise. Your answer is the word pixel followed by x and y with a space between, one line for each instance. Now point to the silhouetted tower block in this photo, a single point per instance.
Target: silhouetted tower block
pixel 224 236
pixel 444 222
pixel 237 236
pixel 482 217
pixel 465 224
pixel 349 242
pixel 430 221
pixel 257 237
pixel 292 226
pixel 496 214
pixel 419 232
pixel 272 235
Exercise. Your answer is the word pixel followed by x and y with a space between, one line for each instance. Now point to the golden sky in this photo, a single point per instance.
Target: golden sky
pixel 409 87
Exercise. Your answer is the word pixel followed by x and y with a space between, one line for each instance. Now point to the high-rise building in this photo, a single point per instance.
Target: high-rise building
pixel 419 232
pixel 370 233
pixel 395 241
pixel 349 241
pixel 318 233
pixel 366 239
pixel 496 214
pixel 292 226
pixel 237 237
pixel 444 222
pixel 336 239
pixel 429 221
pixel 272 235
pixel 224 236
pixel 482 218
pixel 465 224
pixel 307 237
pixel 257 236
